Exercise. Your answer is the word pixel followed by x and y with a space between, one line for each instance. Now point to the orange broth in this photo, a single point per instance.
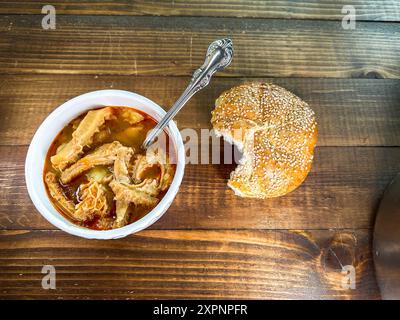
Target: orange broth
pixel 116 131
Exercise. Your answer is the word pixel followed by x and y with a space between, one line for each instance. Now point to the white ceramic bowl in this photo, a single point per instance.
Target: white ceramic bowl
pixel 56 121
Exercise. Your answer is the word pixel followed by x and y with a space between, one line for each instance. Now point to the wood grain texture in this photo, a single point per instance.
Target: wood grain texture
pixel 163 46
pixel 188 264
pixel 350 112
pixel 342 191
pixel 372 10
pixel 210 244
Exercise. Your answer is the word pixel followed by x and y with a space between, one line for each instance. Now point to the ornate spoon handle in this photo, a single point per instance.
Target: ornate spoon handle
pixel 219 55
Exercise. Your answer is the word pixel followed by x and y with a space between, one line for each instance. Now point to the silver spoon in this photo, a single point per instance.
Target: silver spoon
pixel 219 56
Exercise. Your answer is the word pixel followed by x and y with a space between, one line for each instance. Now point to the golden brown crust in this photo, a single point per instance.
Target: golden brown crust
pixel 275 130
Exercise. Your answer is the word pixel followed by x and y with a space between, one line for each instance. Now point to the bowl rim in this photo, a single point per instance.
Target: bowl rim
pixel 56 218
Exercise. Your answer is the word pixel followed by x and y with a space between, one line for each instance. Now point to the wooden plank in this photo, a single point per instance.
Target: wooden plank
pixel 189 264
pixel 163 46
pixel 350 112
pixel 342 191
pixel 383 10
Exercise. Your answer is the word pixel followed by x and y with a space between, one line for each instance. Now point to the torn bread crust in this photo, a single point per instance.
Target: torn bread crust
pixel 277 142
pixel 274 163
pixel 244 169
pixel 104 155
pixel 81 137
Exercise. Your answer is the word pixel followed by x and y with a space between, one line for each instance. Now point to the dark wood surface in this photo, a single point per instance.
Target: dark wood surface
pixel 167 46
pixel 342 191
pixel 367 10
pixel 210 244
pixel 208 264
pixel 161 46
pixel 351 112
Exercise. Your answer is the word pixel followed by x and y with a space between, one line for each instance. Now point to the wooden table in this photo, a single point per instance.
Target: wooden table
pixel 210 244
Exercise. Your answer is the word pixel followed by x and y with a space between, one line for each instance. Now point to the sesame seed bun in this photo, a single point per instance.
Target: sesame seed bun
pixel 276 132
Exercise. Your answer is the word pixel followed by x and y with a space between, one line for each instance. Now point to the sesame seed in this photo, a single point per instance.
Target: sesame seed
pixel 279 137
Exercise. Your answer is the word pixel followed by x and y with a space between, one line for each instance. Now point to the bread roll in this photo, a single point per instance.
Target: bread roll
pixel 276 132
